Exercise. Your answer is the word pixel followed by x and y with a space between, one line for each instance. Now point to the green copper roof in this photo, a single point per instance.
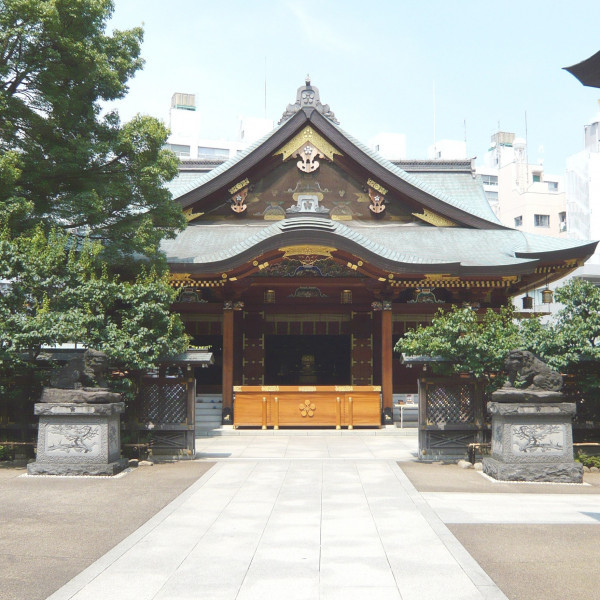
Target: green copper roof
pixel 453 190
pixel 210 247
pixel 188 182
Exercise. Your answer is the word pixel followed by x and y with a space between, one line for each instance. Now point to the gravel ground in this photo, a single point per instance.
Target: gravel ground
pixel 51 528
pixel 527 562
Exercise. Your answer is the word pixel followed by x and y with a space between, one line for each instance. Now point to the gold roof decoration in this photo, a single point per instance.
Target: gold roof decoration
pixel 308 135
pixel 239 186
pixel 434 219
pixel 181 280
pixel 376 186
pixel 190 215
pixel 324 251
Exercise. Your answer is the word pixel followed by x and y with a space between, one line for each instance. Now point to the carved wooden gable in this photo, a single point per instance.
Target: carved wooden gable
pixel 309 177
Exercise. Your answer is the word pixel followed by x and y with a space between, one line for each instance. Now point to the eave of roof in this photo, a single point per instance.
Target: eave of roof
pixel 217 247
pixel 412 185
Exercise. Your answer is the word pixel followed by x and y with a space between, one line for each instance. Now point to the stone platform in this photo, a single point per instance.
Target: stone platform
pixel 532 441
pixel 78 439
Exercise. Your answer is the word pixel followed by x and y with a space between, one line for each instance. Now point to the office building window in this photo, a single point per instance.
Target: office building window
pixel 562 221
pixel 180 150
pixel 541 220
pixel 519 221
pixel 489 179
pixel 205 152
pixel 537 178
pixel 552 186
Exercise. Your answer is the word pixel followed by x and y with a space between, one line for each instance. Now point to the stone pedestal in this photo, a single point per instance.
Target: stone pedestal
pixel 78 439
pixel 532 441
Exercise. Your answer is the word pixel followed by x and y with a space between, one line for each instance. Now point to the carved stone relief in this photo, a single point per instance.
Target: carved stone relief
pixel 69 440
pixel 537 439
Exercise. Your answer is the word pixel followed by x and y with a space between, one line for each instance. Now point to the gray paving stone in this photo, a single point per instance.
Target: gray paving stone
pixel 307 517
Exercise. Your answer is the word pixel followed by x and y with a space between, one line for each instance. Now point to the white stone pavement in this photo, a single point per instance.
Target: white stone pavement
pixel 311 517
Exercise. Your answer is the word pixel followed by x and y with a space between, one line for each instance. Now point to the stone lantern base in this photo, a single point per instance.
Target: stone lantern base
pixel 532 441
pixel 78 439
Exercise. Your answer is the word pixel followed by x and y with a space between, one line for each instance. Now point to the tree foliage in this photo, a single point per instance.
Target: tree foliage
pixel 577 324
pixel 64 162
pixel 60 292
pixel 469 341
pixel 570 342
pixel 82 196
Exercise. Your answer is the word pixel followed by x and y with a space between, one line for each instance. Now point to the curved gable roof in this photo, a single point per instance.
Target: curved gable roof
pixel 209 248
pixel 464 209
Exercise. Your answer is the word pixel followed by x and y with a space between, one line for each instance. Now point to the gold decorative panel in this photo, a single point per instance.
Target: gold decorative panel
pixel 190 215
pixel 376 187
pixel 308 134
pixel 435 219
pixel 239 186
pixel 307 251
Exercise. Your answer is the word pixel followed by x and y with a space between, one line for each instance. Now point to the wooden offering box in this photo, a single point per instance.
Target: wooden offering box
pixel 307 406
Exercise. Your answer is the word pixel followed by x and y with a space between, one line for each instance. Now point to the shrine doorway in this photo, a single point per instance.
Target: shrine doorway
pixel 307 360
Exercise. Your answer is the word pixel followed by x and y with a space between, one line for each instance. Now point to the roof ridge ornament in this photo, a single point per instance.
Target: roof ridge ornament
pixel 308 96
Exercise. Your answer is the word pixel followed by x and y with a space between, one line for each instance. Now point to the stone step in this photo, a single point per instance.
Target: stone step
pixel 209 411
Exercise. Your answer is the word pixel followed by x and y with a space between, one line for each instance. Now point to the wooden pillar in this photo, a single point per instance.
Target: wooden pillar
pixel 190 437
pixel 228 358
pixel 227 363
pixel 386 363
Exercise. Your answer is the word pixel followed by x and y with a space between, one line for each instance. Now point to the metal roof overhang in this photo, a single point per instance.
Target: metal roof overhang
pixel 587 71
pixel 584 251
pixel 321 232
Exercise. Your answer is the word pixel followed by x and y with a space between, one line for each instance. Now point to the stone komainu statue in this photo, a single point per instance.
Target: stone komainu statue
pixel 526 371
pixel 89 370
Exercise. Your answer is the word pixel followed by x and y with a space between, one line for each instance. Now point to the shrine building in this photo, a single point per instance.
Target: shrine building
pixel 308 255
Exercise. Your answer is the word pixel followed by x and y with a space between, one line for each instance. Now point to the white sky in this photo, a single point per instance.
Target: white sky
pixel 375 63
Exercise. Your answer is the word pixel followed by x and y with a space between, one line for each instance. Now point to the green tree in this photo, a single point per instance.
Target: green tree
pixel 64 162
pixel 471 342
pixel 577 323
pixel 81 195
pixel 59 292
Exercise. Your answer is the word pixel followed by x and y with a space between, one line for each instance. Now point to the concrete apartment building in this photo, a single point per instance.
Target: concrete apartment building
pixel 583 195
pixel 188 144
pixel 521 194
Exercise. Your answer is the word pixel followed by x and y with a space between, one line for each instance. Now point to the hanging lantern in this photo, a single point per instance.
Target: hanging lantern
pixel 527 302
pixel 270 297
pixel 346 297
pixel 547 295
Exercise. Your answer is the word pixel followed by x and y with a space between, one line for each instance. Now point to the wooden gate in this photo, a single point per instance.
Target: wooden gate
pixel 166 408
pixel 451 416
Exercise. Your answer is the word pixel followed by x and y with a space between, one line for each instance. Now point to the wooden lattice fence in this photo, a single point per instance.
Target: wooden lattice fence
pixel 451 416
pixel 165 412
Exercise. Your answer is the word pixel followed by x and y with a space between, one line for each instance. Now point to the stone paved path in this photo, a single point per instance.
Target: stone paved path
pixel 296 517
